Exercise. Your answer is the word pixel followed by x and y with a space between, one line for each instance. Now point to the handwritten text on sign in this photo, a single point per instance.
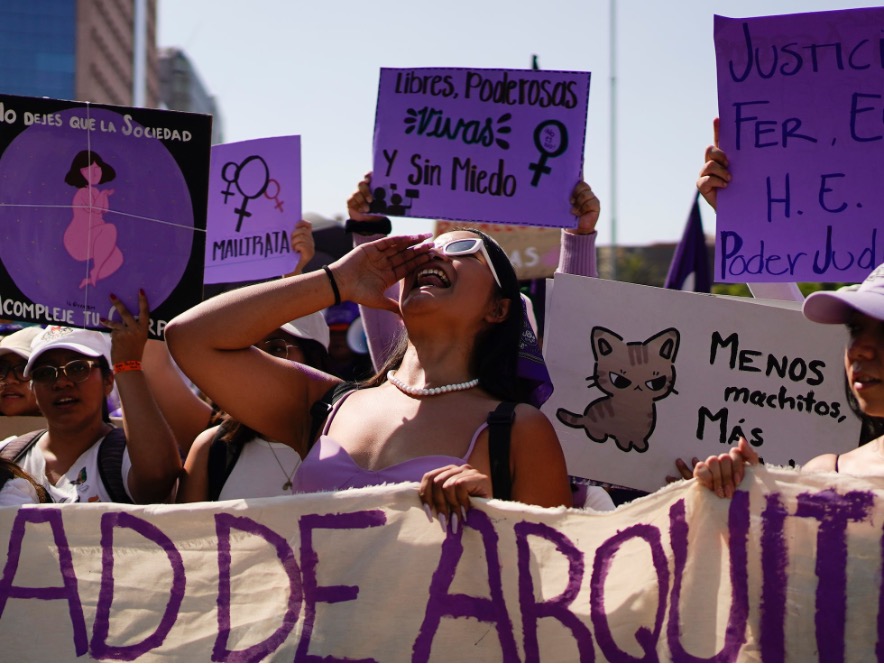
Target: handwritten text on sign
pixel 801 100
pixel 479 144
pixel 678 576
pixel 254 203
pixel 672 374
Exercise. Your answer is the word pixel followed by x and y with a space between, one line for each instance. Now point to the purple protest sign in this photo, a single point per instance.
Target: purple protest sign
pixel 97 200
pixel 800 99
pixel 492 145
pixel 254 203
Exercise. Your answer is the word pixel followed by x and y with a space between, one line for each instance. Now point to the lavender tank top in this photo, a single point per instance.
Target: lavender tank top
pixel 329 467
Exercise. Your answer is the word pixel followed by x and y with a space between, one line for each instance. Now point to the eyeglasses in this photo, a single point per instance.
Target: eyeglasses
pixel 467 247
pixel 18 371
pixel 76 370
pixel 276 347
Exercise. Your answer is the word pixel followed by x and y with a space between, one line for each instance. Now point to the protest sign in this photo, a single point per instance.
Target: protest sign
pixel 646 375
pixel 97 200
pixel 788 570
pixel 492 145
pixel 254 203
pixel 800 100
pixel 534 252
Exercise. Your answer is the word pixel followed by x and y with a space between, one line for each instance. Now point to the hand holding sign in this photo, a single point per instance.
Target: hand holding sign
pixel 715 173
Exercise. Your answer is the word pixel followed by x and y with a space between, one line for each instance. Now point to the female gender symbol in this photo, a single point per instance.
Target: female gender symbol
pixel 251 182
pixel 274 196
pixel 545 137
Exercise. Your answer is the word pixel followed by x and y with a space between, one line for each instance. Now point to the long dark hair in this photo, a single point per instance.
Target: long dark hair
pixel 496 351
pixel 10 470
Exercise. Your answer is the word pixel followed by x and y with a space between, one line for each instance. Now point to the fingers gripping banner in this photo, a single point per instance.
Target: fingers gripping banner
pixel 789 569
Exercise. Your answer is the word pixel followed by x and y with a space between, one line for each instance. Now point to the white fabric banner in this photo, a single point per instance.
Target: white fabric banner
pixel 789 569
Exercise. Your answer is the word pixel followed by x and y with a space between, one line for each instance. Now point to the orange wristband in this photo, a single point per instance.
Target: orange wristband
pixel 130 365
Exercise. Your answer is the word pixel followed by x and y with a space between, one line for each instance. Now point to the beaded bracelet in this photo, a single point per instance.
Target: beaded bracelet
pixel 130 365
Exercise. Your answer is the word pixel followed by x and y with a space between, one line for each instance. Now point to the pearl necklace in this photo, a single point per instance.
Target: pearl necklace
pixel 430 391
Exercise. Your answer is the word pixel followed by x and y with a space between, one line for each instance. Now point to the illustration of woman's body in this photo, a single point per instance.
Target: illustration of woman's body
pixel 89 236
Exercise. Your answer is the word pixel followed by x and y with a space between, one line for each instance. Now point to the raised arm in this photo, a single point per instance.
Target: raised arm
pixel 382 328
pixel 156 462
pixel 184 411
pixel 212 342
pixel 578 252
pixel 715 173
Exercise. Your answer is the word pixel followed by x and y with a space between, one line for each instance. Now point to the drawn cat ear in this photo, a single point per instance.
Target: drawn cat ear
pixel 665 343
pixel 603 341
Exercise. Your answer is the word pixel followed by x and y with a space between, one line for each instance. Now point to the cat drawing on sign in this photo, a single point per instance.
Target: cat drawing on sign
pixel 634 376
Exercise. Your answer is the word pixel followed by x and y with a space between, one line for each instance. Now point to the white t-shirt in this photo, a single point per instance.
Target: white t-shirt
pixel 17 492
pixel 81 483
pixel 258 474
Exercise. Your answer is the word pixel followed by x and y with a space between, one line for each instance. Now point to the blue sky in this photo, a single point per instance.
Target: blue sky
pixel 283 67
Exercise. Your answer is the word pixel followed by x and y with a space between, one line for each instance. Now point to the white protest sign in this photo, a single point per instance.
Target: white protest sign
pixel 645 375
pixel 364 576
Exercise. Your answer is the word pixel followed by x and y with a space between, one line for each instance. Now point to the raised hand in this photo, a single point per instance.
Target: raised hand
pixel 129 334
pixel 585 205
pixel 303 244
pixel 366 272
pixel 715 174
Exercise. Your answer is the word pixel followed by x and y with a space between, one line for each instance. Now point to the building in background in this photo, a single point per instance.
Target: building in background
pixel 75 49
pixel 182 89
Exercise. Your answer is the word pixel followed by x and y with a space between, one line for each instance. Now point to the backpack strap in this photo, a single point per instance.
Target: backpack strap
pixel 17 448
pixel 110 465
pixel 500 424
pixel 223 456
pixel 320 410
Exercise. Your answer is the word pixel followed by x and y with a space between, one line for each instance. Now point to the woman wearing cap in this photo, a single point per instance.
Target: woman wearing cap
pixel 72 371
pixel 16 396
pixel 231 460
pixel 862 311
pixel 424 416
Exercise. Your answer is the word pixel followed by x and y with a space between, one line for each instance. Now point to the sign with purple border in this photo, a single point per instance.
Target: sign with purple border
pixel 254 203
pixel 801 99
pixel 488 145
pixel 97 200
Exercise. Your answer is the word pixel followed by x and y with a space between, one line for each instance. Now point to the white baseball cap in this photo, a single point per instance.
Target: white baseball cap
pixel 309 327
pixel 838 306
pixel 86 342
pixel 19 343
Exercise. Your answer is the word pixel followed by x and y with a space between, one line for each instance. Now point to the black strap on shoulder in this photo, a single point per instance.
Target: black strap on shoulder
pixel 110 465
pixel 319 411
pixel 223 456
pixel 500 423
pixel 16 449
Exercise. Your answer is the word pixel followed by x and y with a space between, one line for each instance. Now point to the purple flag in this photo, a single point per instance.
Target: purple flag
pixel 689 270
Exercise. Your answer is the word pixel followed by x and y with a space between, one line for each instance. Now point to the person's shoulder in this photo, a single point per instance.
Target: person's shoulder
pixel 531 424
pixel 824 463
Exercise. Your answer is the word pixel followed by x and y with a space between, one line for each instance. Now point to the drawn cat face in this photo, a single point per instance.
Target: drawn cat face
pixel 638 371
